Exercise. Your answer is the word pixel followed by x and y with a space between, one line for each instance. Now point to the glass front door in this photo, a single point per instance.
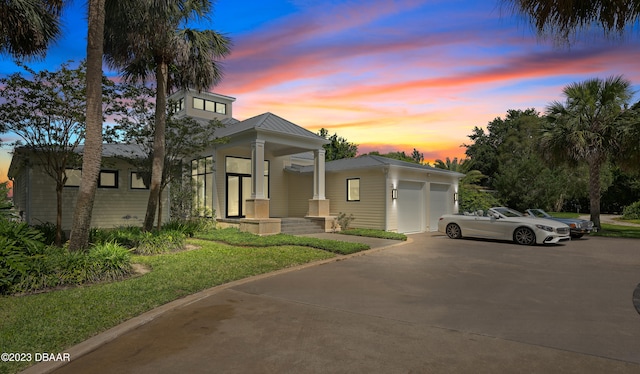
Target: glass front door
pixel 238 191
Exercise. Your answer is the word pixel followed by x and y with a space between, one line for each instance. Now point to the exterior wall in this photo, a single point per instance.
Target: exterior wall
pixel 112 206
pixel 300 191
pixel 189 110
pixel 21 192
pixel 369 212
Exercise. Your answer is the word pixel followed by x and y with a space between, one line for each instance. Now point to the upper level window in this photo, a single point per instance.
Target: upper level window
pixel 108 179
pixel 209 106
pixel 353 189
pixel 73 177
pixel 178 105
pixel 137 181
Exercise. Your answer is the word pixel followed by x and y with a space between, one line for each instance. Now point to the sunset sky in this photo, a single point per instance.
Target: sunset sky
pixel 386 75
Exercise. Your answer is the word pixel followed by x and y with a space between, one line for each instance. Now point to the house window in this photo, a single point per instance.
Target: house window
pixel 73 177
pixel 202 183
pixel 353 189
pixel 178 105
pixel 209 106
pixel 137 181
pixel 108 179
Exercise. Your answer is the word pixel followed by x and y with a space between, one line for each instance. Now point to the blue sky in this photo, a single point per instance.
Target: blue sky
pixel 387 75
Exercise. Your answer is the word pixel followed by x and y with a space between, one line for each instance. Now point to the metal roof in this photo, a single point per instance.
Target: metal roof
pixel 372 161
pixel 267 122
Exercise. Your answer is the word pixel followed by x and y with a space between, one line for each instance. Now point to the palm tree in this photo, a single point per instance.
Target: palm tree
pixel 92 155
pixel 453 165
pixel 561 19
pixel 28 26
pixel 144 38
pixel 586 128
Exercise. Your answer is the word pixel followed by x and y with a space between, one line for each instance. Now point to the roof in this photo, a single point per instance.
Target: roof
pixel 373 161
pixel 268 122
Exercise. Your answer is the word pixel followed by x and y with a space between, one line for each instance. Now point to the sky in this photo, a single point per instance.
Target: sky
pixel 388 75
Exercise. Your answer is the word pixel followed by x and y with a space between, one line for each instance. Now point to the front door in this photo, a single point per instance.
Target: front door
pixel 238 191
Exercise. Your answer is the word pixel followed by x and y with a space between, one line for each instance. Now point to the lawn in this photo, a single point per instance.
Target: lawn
pixel 53 321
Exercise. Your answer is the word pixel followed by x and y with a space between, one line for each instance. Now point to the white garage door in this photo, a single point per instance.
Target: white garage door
pixel 410 206
pixel 438 203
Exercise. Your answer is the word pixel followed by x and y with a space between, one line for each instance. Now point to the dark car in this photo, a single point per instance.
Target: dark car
pixel 579 227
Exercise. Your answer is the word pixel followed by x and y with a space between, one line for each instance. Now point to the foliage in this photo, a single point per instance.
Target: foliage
pixel 472 196
pixel 632 211
pixel 47 112
pixel 338 148
pixel 401 155
pixel 190 227
pixel 344 221
pixel 48 231
pixel 561 19
pixel 371 233
pixel 28 27
pixel 461 166
pixel 140 241
pixel 587 129
pixel 618 231
pixel 236 237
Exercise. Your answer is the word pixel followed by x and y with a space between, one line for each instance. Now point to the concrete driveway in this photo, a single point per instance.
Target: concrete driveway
pixel 433 305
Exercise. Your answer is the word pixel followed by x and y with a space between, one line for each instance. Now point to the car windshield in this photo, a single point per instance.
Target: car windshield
pixel 508 212
pixel 539 213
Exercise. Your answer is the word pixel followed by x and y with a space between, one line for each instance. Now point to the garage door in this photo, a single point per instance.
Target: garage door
pixel 438 203
pixel 410 207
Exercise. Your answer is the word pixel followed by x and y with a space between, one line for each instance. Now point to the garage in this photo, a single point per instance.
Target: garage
pixel 411 206
pixel 438 203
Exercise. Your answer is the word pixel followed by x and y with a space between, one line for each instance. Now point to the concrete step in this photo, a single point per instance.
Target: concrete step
pixel 298 226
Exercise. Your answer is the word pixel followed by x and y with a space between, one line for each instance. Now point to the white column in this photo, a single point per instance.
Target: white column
pixel 257 169
pixel 318 174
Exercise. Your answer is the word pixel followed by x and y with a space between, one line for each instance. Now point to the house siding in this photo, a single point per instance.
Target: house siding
pixel 300 192
pixel 112 207
pixel 369 212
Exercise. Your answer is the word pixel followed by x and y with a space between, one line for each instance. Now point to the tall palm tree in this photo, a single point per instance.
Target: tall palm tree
pixel 585 128
pixel 92 155
pixel 146 39
pixel 28 26
pixel 560 19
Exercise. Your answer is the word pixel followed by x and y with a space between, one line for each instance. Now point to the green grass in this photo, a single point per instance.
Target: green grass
pixel 236 237
pixel 618 231
pixel 565 214
pixel 375 234
pixel 54 321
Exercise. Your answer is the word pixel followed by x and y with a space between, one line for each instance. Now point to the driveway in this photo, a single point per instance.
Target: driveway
pixel 431 305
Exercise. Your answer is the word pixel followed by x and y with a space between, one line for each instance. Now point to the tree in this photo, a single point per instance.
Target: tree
pixel 452 165
pixel 417 156
pixel 185 137
pixel 48 113
pixel 560 19
pixel 339 146
pixel 28 26
pixel 586 129
pixel 92 155
pixel 144 39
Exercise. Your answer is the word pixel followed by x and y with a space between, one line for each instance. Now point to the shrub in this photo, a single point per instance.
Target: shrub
pixel 190 227
pixel 150 243
pixel 632 211
pixel 48 231
pixel 19 246
pixel 344 220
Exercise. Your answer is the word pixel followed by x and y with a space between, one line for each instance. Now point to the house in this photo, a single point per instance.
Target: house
pixel 121 197
pixel 295 182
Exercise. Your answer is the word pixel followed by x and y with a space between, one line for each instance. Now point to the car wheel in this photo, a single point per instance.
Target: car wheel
pixel 524 236
pixel 453 231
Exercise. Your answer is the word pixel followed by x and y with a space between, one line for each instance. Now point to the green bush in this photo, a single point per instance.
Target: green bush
pixel 48 231
pixel 632 211
pixel 60 267
pixel 150 243
pixel 190 227
pixel 20 245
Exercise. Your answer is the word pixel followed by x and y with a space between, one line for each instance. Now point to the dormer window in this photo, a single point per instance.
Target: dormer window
pixel 209 106
pixel 177 105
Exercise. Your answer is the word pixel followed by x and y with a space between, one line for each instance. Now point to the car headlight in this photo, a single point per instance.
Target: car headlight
pixel 572 225
pixel 545 228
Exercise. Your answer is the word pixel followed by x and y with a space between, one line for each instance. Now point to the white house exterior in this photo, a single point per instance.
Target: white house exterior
pixel 295 181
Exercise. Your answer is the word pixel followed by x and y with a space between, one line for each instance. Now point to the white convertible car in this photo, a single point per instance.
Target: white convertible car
pixel 504 224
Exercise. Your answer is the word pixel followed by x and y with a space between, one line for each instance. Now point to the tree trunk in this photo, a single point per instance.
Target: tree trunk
pixel 594 190
pixel 92 155
pixel 158 145
pixel 58 239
